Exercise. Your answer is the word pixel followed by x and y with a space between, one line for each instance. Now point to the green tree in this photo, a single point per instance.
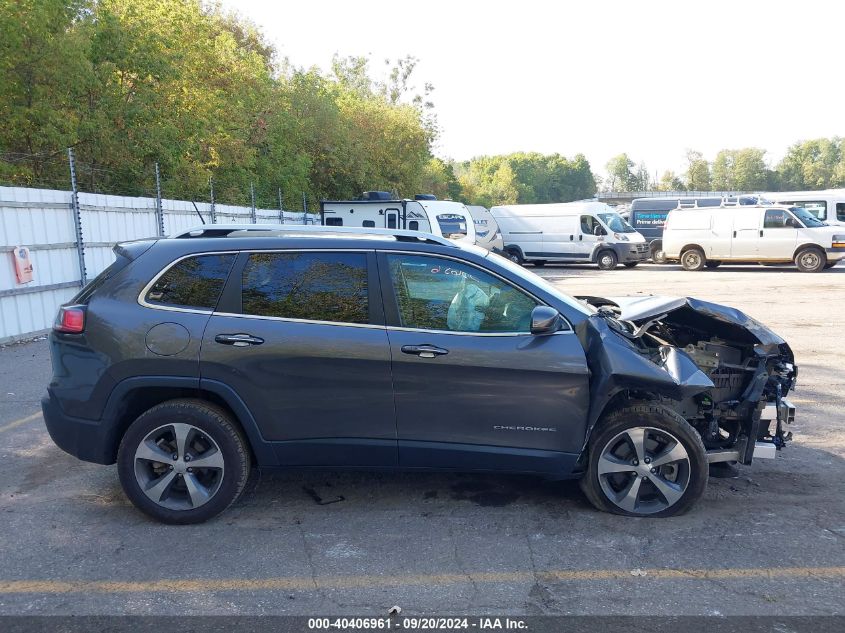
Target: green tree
pixel 620 173
pixel 669 181
pixel 814 164
pixel 741 170
pixel 698 172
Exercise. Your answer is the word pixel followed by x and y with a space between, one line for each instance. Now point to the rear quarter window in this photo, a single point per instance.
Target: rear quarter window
pixel 194 282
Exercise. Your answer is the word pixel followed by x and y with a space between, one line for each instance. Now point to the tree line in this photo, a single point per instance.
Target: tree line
pixel 808 165
pixel 182 83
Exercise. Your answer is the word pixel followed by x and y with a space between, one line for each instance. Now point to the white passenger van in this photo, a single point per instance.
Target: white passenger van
pixel 766 233
pixel 443 218
pixel 569 232
pixel 827 205
pixel 487 234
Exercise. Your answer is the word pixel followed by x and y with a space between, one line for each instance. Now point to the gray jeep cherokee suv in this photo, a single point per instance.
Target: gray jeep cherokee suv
pixel 192 359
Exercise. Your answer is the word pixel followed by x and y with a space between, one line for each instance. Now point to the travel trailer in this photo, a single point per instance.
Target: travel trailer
pixel 443 218
pixel 487 234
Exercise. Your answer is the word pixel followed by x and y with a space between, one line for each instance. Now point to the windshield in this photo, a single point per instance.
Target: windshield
pixel 615 223
pixel 807 218
pixel 538 281
pixel 452 225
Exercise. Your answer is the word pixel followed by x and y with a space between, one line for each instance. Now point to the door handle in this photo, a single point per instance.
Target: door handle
pixel 761 232
pixel 734 233
pixel 238 340
pixel 424 351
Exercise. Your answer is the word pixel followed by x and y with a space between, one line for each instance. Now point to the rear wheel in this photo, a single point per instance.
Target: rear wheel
pixel 693 259
pixel 607 260
pixel 183 461
pixel 658 255
pixel 810 260
pixel 645 460
pixel 712 264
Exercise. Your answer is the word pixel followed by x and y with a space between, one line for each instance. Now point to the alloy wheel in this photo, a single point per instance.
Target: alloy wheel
pixel 644 470
pixel 179 466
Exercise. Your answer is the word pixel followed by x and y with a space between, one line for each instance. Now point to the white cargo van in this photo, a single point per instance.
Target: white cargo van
pixel 706 237
pixel 569 232
pixel 487 234
pixel 827 205
pixel 440 217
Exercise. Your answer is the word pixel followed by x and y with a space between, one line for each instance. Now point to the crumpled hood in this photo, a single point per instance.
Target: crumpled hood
pixel 716 319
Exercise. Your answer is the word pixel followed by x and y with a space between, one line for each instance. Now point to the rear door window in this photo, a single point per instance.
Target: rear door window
pixel 311 286
pixel 194 282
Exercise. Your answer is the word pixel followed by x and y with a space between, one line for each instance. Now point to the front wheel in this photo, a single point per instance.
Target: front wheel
pixel 810 260
pixel 514 255
pixel 693 259
pixel 645 460
pixel 607 260
pixel 183 461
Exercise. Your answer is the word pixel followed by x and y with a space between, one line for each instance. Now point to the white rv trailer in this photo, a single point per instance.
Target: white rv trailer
pixel 827 205
pixel 444 218
pixel 487 233
pixel 569 232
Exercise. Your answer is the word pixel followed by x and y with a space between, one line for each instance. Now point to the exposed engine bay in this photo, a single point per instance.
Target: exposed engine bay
pixel 729 373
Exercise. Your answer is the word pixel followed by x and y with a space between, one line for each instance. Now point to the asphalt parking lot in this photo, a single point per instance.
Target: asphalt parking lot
pixel 767 542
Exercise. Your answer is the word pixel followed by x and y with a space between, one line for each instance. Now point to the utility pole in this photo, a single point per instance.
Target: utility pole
pixel 213 208
pixel 281 208
pixel 252 196
pixel 159 211
pixel 77 217
pixel 304 204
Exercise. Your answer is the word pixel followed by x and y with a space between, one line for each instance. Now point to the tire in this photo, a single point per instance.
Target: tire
pixel 539 263
pixel 514 255
pixel 185 493
pixel 607 260
pixel 693 259
pixel 712 264
pixel 658 255
pixel 630 264
pixel 663 431
pixel 810 259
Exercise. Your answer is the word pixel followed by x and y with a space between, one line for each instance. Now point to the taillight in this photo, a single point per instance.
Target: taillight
pixel 70 319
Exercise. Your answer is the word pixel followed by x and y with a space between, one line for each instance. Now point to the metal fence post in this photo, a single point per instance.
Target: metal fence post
pixel 213 208
pixel 252 196
pixel 304 205
pixel 77 218
pixel 159 211
pixel 281 208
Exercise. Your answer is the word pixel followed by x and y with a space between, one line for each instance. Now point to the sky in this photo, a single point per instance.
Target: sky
pixel 598 77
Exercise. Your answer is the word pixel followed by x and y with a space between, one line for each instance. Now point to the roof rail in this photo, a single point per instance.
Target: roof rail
pixel 282 230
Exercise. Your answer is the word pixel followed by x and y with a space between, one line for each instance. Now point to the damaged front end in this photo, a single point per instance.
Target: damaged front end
pixel 725 373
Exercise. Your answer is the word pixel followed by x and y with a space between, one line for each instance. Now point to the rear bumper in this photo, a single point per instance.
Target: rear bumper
pixel 88 440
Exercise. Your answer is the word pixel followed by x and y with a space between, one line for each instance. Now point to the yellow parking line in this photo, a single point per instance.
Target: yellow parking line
pixel 17 423
pixel 369 581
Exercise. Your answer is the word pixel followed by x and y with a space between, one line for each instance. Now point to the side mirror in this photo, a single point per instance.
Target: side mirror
pixel 545 320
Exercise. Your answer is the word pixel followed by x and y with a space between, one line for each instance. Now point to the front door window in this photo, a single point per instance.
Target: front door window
pixel 442 294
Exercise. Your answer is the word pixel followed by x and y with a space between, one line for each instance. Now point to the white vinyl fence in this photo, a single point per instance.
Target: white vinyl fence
pixel 43 221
